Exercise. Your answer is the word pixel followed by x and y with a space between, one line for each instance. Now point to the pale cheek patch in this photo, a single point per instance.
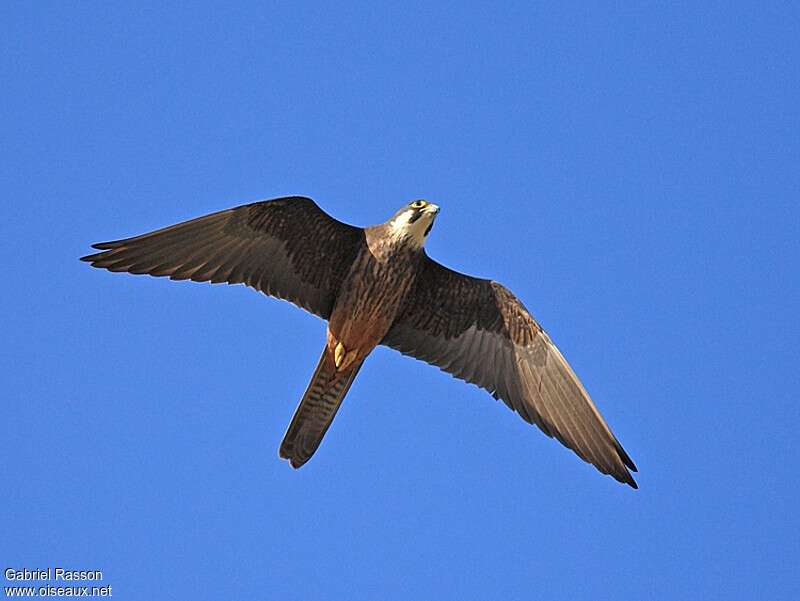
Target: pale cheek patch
pixel 415 229
pixel 400 224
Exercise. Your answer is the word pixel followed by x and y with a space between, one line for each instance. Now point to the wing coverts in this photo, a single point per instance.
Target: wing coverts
pixel 479 332
pixel 288 248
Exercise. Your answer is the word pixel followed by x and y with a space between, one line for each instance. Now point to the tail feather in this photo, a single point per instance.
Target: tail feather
pixel 316 411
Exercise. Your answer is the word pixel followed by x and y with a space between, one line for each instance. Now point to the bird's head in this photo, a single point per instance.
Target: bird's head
pixel 414 221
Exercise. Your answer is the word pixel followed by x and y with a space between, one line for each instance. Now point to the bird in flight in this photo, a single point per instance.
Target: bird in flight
pixel 376 285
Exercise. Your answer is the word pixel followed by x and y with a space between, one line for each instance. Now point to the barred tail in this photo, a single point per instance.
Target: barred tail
pixel 316 411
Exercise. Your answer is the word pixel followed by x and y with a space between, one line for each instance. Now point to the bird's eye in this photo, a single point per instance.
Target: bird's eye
pixel 418 204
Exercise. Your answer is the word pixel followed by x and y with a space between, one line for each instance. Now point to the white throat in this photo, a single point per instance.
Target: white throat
pixel 402 227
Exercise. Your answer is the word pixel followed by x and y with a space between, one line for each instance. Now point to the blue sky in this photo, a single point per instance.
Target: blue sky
pixel 630 172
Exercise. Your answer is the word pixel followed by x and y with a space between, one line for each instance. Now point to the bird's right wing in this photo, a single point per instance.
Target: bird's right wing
pixel 287 247
pixel 478 331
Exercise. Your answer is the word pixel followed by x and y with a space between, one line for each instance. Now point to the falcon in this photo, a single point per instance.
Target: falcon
pixel 376 285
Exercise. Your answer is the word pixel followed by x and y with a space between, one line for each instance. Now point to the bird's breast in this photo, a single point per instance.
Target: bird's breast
pixel 370 298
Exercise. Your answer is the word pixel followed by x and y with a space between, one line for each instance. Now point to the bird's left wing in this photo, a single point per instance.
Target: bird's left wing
pixel 286 247
pixel 478 331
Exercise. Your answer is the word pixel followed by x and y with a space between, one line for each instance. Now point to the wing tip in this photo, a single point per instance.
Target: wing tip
pixel 627 479
pixel 624 457
pixel 624 475
pixel 102 246
pixel 107 245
